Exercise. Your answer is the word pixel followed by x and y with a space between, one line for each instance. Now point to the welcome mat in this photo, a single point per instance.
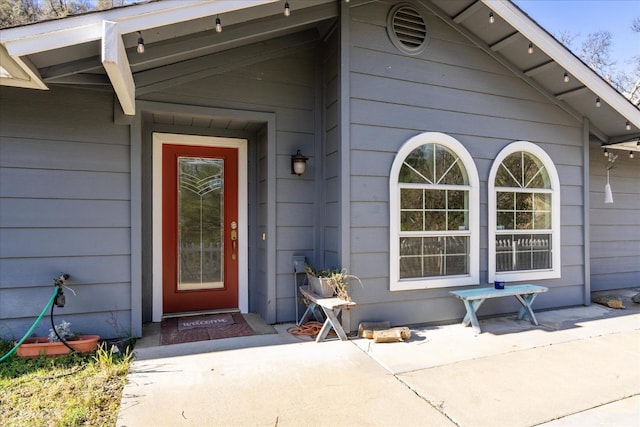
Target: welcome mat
pixel 203 328
pixel 186 323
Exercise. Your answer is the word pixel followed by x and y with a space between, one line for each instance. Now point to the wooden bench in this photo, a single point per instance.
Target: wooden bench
pixel 331 307
pixel 473 299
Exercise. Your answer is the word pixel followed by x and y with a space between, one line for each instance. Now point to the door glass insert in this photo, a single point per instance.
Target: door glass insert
pixel 200 223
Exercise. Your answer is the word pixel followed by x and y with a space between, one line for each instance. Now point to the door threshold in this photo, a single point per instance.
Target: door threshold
pixel 200 313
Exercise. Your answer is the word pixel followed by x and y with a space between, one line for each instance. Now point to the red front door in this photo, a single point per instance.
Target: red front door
pixel 199 228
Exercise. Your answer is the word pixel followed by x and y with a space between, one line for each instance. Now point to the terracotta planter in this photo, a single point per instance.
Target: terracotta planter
pixel 321 285
pixel 40 346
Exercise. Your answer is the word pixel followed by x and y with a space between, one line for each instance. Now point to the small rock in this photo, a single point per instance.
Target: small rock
pixel 636 298
pixel 610 301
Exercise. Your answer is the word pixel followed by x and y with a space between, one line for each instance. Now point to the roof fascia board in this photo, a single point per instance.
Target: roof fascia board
pixel 83 20
pixel 543 41
pixel 65 32
pixel 11 66
pixel 114 59
pixel 507 64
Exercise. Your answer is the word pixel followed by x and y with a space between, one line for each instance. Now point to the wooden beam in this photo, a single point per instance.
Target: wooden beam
pixel 634 137
pixel 545 66
pixel 501 44
pixel 84 65
pixel 199 68
pixel 573 92
pixel 21 72
pixel 82 80
pixel 115 62
pixel 11 67
pixel 473 8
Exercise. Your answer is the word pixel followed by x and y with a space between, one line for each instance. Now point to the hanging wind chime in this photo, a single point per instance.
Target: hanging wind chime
pixel 608 195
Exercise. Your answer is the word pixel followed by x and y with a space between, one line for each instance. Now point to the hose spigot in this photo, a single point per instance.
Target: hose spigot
pixel 59 283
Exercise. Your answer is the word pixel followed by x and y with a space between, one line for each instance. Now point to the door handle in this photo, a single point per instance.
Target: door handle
pixel 234 240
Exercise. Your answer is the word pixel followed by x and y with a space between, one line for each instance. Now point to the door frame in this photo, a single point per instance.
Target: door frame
pixel 160 139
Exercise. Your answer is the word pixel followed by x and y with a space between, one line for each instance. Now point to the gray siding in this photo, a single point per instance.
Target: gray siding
pixel 65 178
pixel 285 86
pixel 454 88
pixel 615 228
pixel 64 207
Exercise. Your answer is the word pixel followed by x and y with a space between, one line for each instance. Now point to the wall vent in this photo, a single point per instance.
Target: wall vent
pixel 407 29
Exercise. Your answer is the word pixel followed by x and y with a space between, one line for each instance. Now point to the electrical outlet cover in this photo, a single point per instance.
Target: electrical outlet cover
pixel 298 263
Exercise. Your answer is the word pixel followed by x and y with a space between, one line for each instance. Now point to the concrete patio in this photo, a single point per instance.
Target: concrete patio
pixel 578 368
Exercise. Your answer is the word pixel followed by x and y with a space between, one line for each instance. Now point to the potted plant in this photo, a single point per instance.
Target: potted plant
pixel 52 346
pixel 330 282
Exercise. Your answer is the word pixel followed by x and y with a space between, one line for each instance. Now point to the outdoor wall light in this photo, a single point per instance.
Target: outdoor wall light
pixel 298 164
pixel 492 19
pixel 530 49
pixel 218 25
pixel 287 9
pixel 598 102
pixel 627 126
pixel 566 77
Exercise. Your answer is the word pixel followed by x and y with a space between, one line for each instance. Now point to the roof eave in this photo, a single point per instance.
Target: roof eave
pixel 18 42
pixel 561 55
pixel 74 30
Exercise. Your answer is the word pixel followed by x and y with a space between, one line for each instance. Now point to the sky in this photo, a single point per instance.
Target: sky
pixel 587 16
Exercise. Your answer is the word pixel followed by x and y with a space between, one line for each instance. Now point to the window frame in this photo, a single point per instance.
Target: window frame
pixel 521 275
pixel 397 284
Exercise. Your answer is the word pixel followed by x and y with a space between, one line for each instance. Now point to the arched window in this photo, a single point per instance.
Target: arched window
pixel 433 197
pixel 524 215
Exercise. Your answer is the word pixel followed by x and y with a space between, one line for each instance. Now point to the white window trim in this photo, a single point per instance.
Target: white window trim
pixel 397 284
pixel 518 276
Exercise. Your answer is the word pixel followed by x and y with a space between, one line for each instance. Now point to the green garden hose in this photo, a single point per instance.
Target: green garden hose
pixel 33 327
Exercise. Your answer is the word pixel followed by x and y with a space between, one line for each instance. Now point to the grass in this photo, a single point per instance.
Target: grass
pixel 71 390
